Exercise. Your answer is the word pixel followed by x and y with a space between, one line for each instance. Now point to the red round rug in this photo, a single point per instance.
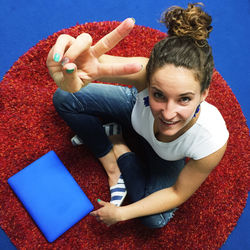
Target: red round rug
pixel 30 127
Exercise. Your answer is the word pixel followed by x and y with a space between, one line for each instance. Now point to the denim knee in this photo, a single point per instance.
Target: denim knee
pixel 157 220
pixel 59 97
pixel 66 102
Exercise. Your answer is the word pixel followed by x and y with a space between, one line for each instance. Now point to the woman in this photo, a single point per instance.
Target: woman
pixel 166 110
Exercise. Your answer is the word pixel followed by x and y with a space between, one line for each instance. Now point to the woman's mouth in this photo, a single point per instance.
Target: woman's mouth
pixel 168 123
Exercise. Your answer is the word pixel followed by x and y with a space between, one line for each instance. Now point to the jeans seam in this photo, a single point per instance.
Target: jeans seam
pixel 78 102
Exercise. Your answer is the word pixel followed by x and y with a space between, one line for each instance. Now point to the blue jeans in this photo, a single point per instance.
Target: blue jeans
pixel 144 173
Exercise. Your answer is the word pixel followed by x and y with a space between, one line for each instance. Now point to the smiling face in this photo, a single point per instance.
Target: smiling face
pixel 174 95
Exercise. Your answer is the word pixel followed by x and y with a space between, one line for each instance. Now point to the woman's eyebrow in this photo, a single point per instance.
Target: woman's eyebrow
pixel 187 93
pixel 183 94
pixel 155 88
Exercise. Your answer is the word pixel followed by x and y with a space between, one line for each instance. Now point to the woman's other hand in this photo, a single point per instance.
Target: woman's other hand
pixel 109 214
pixel 74 62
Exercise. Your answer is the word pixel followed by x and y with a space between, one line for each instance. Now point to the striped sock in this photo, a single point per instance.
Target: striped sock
pixel 118 192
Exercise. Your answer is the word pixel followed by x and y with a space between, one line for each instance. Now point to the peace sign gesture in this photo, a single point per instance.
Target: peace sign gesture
pixel 74 62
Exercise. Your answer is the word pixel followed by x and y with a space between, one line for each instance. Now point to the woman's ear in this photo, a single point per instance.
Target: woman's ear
pixel 204 94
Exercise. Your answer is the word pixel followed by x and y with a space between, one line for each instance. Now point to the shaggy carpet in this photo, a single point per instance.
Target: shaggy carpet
pixel 30 127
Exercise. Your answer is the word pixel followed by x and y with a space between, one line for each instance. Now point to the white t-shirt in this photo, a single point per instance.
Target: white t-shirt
pixel 205 137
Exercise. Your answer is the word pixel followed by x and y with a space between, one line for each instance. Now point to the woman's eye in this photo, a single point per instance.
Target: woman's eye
pixel 158 95
pixel 185 99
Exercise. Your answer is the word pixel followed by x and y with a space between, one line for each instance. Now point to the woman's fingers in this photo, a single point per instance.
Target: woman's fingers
pixel 62 43
pixel 67 48
pixel 119 69
pixel 102 203
pixel 70 48
pixel 81 44
pixel 69 53
pixel 110 40
pixel 63 53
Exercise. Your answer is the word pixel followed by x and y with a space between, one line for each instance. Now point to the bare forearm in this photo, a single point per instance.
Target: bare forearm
pixel 157 202
pixel 189 180
pixel 137 79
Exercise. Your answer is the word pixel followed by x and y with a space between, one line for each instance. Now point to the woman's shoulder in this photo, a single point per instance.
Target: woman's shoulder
pixel 210 117
pixel 210 132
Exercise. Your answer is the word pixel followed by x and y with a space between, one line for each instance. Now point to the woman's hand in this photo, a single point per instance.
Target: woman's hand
pixel 74 62
pixel 109 214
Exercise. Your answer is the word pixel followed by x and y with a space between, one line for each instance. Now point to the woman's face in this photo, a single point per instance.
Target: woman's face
pixel 174 95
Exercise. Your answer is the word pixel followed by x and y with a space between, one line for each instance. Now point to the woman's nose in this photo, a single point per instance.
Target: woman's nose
pixel 169 111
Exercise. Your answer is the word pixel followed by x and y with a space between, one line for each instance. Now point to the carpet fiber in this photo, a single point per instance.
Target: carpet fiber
pixel 30 127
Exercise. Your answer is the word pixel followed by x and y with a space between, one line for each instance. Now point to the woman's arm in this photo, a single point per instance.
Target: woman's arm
pixel 189 180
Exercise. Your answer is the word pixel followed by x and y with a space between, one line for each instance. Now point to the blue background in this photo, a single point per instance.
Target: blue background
pixel 23 23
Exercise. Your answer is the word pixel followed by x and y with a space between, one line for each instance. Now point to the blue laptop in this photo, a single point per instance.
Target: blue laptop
pixel 51 195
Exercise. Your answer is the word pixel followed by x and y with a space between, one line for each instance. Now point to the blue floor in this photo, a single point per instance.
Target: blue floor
pixel 23 23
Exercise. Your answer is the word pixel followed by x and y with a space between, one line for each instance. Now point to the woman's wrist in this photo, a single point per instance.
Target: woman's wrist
pixel 128 212
pixel 122 215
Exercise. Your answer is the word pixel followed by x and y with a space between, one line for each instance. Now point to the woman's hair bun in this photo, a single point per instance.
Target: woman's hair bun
pixel 192 22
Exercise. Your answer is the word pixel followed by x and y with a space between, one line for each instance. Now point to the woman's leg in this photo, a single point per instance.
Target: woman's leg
pixel 131 168
pixel 163 175
pixel 147 177
pixel 82 110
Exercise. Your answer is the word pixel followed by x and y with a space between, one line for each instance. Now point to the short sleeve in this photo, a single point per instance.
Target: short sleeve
pixel 210 141
pixel 210 146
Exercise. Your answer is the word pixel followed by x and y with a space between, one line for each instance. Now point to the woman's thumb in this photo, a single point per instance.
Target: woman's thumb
pixel 102 203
